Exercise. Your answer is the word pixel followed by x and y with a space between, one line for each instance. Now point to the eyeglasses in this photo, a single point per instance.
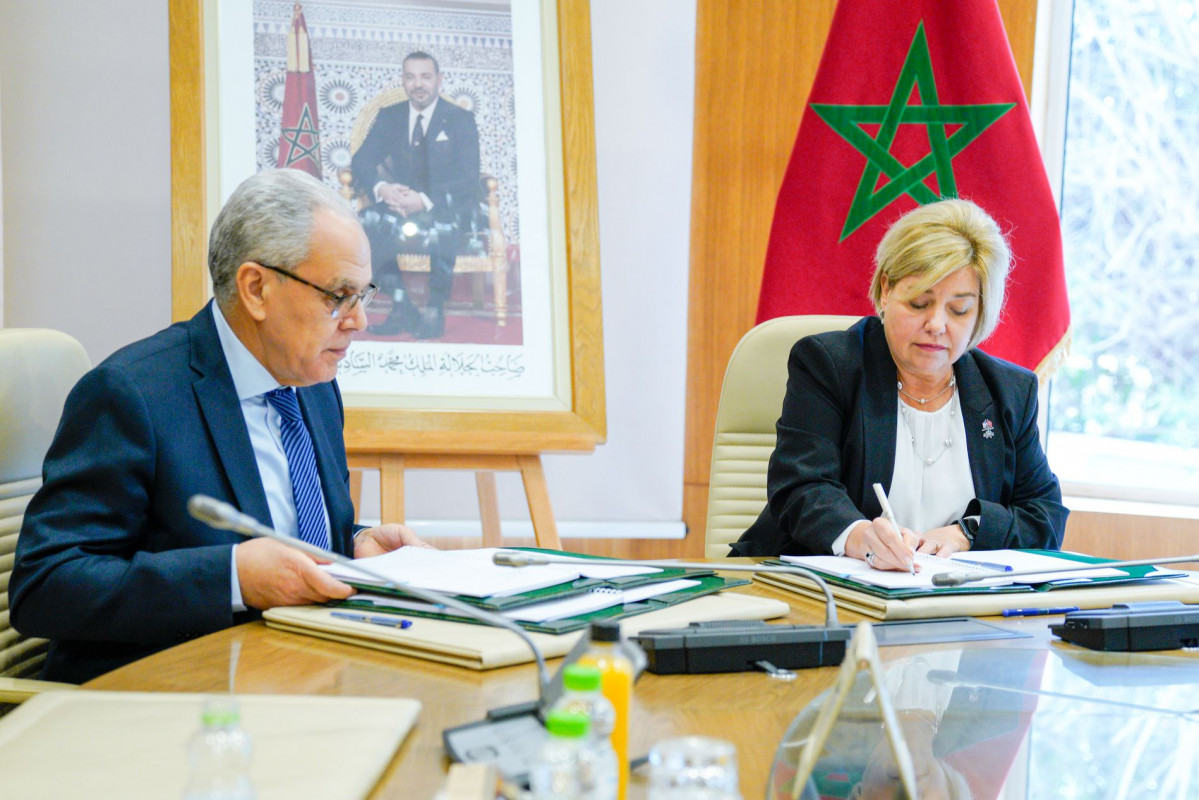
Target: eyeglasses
pixel 342 303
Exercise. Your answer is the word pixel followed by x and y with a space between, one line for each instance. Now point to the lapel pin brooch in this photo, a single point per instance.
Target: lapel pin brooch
pixel 988 429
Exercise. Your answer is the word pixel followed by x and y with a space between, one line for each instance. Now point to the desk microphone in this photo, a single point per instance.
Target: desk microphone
pixel 223 516
pixel 510 737
pixel 958 578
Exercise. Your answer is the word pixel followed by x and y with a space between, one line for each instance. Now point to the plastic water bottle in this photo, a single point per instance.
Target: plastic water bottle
pixel 616 682
pixel 582 695
pixel 219 753
pixel 557 775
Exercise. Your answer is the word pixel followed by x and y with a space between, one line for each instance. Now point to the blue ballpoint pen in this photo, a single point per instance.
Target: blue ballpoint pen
pixel 390 622
pixel 1036 612
pixel 986 564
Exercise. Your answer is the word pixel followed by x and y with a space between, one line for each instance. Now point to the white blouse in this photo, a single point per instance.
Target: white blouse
pixel 931 483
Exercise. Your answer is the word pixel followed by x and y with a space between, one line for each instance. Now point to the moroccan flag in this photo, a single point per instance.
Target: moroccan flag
pixel 914 101
pixel 300 139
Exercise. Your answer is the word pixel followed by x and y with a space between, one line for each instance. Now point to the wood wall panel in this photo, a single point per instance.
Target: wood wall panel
pixel 1132 536
pixel 755 63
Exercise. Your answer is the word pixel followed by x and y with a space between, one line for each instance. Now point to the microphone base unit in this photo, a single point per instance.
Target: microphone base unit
pixel 510 738
pixel 1132 627
pixel 710 647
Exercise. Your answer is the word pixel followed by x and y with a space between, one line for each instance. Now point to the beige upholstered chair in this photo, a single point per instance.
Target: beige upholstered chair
pixel 495 261
pixel 37 369
pixel 750 402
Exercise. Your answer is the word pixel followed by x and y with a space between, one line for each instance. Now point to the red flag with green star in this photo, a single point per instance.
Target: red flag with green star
pixel 914 101
pixel 300 135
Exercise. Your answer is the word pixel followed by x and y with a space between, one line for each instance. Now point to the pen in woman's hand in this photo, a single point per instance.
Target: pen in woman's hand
pixel 890 515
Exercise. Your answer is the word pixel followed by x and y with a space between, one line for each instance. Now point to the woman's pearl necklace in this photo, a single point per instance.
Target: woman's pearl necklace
pixel 947 441
pixel 953 381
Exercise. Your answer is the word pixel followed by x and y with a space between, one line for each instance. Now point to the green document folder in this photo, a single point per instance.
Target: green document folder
pixel 1131 574
pixel 709 583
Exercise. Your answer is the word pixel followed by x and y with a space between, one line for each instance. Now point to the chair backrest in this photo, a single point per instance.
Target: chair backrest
pixel 37 369
pixel 751 399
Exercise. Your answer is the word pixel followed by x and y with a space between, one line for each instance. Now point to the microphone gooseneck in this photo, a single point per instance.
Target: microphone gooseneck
pixel 223 516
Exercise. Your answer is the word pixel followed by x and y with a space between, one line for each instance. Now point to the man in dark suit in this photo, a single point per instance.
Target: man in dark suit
pixel 109 565
pixel 420 164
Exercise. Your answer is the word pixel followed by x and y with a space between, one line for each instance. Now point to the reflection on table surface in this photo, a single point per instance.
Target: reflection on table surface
pixel 750 710
pixel 1012 723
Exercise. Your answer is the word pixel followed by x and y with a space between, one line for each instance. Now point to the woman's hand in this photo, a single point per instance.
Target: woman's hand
pixel 882 547
pixel 945 541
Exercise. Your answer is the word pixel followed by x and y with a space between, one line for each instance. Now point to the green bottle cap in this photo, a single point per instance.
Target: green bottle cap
pixel 567 724
pixel 582 678
pixel 220 712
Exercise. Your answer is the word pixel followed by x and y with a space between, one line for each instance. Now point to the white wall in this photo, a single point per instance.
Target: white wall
pixel 86 220
pixel 86 165
pixel 1 212
pixel 643 56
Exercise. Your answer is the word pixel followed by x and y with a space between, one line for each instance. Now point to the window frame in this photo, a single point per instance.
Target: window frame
pixel 1048 110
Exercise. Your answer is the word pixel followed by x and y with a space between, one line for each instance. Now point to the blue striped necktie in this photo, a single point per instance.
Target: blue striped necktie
pixel 301 463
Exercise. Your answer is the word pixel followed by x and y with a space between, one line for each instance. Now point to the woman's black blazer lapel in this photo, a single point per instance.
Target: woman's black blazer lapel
pixel 879 407
pixel 988 445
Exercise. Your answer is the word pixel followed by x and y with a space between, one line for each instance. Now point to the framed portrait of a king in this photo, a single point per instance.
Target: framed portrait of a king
pixel 460 134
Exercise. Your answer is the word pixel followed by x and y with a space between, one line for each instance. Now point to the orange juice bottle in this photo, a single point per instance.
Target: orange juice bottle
pixel 616 684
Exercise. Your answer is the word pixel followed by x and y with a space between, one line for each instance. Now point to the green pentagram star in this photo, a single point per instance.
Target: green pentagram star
pixel 295 150
pixel 847 120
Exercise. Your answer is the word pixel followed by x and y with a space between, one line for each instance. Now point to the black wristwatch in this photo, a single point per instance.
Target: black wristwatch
pixel 969 526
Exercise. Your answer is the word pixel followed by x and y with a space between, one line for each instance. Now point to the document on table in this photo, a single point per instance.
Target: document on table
pixel 595 600
pixel 1019 560
pixel 472 572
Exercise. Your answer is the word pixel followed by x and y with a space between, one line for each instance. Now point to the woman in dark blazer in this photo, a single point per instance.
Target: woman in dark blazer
pixel 905 400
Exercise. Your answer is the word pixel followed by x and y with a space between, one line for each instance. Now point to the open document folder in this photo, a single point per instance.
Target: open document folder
pixel 555 598
pixel 895 595
pixel 990 562
pixel 472 572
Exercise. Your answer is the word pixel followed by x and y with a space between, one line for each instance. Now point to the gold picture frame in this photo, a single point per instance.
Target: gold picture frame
pixel 439 430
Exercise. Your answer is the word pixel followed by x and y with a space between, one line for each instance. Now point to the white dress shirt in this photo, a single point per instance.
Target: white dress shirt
pixel 252 381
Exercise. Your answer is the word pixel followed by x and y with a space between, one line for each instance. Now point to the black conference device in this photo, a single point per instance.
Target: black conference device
pixel 741 646
pixel 1132 627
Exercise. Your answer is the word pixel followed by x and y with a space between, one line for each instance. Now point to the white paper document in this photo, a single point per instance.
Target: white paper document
pixel 594 600
pixel 1019 560
pixel 472 572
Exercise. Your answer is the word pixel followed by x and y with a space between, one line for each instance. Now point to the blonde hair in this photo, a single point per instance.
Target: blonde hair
pixel 935 240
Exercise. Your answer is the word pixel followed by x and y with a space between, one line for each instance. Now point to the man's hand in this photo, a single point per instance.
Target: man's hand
pixel 945 541
pixel 272 574
pixel 394 195
pixel 407 202
pixel 889 549
pixel 384 538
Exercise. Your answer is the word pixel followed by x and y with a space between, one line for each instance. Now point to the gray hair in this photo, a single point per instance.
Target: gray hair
pixel 268 220
pixel 937 239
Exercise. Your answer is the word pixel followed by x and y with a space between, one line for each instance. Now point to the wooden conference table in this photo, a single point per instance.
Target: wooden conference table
pixel 751 710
